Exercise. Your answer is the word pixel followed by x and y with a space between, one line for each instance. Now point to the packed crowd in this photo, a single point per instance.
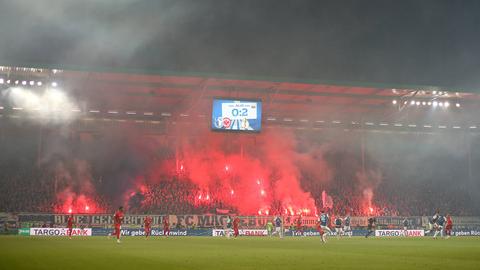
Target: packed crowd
pixel 25 190
pixel 173 197
pixel 34 190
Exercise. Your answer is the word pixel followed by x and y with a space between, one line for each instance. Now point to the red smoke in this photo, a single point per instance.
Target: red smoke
pixel 77 193
pixel 70 202
pixel 367 182
pixel 274 172
pixel 251 173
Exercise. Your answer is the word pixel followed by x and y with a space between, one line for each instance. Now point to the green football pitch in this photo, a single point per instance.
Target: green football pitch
pixel 23 252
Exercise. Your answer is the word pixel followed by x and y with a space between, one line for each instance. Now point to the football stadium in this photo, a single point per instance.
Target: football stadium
pixel 109 161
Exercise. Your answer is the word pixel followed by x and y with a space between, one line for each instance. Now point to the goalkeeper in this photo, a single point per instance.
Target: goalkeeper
pixel 269 228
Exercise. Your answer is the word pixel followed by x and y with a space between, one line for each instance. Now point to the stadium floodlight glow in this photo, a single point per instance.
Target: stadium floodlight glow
pixel 39 83
pixel 447 104
pixel 429 103
pixel 435 104
pixel 434 92
pixel 412 102
pixel 32 83
pixel 8 81
pixel 440 104
pixel 24 82
pixel 16 82
pixel 418 103
pixel 457 105
pixel 394 102
pixel 424 103
pixel 2 81
pixel 54 84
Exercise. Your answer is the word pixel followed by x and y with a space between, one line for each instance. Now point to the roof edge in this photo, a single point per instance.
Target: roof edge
pixel 230 76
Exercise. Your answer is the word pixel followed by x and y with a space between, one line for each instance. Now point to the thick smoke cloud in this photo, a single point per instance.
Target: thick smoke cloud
pixel 89 33
pixel 277 171
pixel 251 176
pixel 331 40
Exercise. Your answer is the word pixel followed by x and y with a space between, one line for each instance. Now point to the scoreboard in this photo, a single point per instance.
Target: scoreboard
pixel 237 115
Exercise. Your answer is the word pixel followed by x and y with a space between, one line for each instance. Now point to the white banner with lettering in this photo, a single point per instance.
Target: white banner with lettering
pixel 60 232
pixel 241 232
pixel 387 233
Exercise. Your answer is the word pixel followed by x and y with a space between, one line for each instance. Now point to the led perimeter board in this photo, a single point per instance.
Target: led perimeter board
pixel 237 115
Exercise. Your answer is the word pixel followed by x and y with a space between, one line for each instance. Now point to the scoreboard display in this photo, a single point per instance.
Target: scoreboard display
pixel 237 115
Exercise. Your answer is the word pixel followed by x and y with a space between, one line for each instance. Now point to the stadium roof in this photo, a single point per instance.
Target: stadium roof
pixel 176 96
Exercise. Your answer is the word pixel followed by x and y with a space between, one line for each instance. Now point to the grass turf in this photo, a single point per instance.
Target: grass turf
pixel 20 252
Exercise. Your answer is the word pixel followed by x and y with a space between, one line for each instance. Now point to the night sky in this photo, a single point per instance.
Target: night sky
pixel 419 42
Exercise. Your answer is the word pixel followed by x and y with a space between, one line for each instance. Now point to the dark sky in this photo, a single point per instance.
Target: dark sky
pixel 395 42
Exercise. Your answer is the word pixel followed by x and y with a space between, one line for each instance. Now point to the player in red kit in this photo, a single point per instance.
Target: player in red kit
pixel 147 222
pixel 70 222
pixel 118 219
pixel 449 226
pixel 166 226
pixel 236 222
